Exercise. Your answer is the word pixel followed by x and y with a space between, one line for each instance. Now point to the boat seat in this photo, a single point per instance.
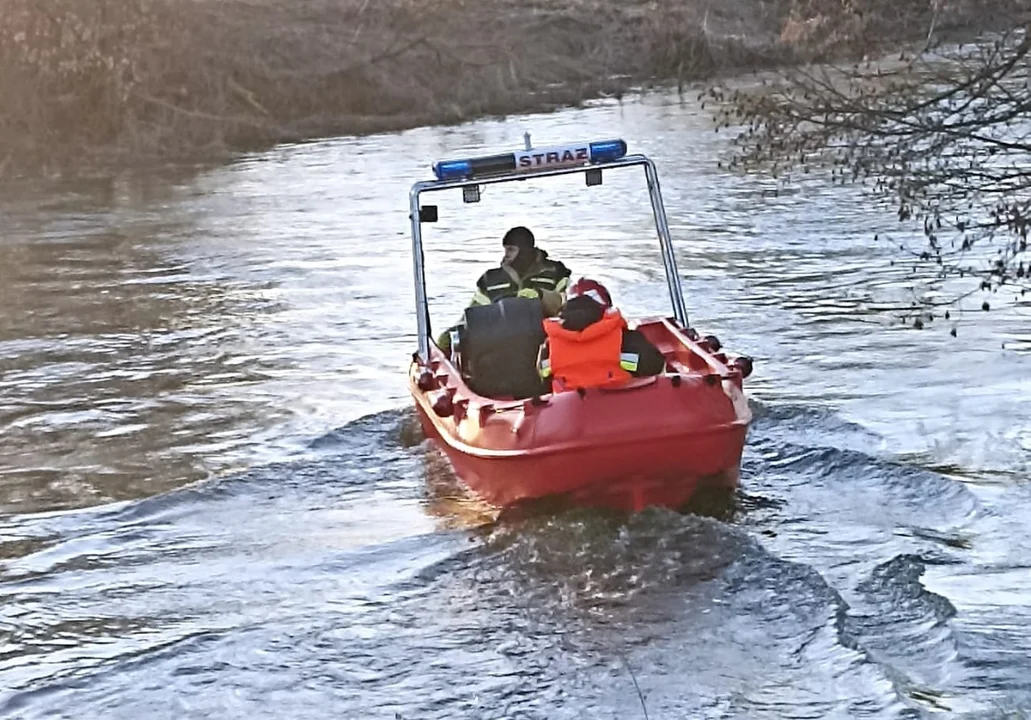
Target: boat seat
pixel 499 344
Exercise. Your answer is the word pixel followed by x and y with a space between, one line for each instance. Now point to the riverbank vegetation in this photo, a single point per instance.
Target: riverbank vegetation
pixel 124 81
pixel 944 132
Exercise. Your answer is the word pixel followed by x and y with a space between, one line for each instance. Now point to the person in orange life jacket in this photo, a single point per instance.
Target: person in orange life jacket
pixel 590 344
pixel 525 271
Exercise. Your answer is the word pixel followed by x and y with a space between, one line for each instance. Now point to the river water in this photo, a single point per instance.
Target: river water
pixel 214 505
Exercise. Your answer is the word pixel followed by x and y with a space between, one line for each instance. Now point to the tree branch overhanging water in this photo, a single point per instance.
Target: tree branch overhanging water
pixel 944 132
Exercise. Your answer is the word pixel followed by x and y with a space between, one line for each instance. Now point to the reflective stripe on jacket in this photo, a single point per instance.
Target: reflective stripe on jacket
pixel 590 357
pixel 545 275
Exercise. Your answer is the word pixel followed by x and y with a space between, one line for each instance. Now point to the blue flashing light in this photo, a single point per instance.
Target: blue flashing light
pixel 453 169
pixel 607 151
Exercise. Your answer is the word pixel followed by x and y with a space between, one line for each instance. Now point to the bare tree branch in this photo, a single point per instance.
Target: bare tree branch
pixel 946 135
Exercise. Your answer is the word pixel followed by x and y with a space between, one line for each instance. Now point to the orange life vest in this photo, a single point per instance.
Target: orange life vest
pixel 588 357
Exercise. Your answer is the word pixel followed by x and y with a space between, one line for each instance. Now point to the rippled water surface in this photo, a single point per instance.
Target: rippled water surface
pixel 214 504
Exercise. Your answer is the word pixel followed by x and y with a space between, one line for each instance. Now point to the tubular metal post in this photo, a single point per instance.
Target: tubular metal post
pixel 669 259
pixel 418 268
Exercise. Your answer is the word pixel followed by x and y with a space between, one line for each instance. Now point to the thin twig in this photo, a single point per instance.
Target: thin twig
pixel 640 695
pixel 937 5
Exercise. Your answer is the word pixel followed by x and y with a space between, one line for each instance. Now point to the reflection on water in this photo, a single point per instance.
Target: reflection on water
pixel 215 506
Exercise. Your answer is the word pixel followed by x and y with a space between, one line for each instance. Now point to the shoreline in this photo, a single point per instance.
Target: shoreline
pixel 122 83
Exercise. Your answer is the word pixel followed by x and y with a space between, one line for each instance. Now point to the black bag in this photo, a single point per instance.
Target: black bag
pixel 499 345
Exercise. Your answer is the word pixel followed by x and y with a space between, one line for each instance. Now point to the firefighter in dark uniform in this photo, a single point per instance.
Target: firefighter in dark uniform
pixel 525 271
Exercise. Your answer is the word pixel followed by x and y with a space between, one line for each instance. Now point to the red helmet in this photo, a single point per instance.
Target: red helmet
pixel 592 289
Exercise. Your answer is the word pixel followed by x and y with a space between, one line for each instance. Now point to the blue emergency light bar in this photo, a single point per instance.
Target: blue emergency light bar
pixel 529 160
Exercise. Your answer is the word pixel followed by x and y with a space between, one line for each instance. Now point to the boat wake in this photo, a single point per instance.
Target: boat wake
pixel 372 584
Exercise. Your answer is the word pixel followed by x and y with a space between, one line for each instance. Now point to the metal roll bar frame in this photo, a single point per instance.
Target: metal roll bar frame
pixel 658 211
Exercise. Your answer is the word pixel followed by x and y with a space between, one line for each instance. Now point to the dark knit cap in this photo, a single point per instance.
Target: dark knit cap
pixel 520 237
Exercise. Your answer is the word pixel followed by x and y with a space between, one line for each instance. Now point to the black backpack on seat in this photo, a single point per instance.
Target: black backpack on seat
pixel 499 344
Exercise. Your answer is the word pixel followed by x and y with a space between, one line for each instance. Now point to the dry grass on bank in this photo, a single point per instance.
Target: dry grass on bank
pixel 96 80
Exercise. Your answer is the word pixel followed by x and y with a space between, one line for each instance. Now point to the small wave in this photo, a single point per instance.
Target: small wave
pixel 811 426
pixel 384 429
pixel 904 627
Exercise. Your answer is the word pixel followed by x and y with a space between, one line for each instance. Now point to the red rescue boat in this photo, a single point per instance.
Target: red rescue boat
pixel 649 441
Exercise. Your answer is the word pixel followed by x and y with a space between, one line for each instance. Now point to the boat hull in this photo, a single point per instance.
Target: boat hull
pixel 653 441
